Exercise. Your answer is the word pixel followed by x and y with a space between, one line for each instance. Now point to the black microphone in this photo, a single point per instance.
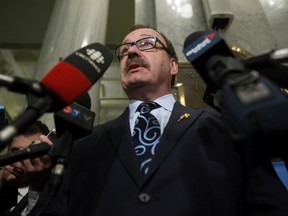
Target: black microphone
pixel 76 118
pixel 270 66
pixel 198 48
pixel 73 122
pixel 33 151
pixel 253 107
pixel 267 60
pixel 21 85
pixel 275 72
pixel 68 80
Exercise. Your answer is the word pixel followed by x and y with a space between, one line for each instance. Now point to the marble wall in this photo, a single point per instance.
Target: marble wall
pixel 249 30
pixel 277 14
pixel 73 24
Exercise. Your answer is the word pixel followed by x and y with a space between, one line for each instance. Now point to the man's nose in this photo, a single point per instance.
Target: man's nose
pixel 133 51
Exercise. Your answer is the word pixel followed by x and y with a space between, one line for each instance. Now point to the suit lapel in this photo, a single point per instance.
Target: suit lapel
pixel 121 141
pixel 181 118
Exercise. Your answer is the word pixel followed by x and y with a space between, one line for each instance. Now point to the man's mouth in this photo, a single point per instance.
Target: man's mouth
pixel 133 66
pixel 135 63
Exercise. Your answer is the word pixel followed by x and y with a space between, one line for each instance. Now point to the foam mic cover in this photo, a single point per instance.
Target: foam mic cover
pixel 75 75
pixel 199 47
pixel 64 83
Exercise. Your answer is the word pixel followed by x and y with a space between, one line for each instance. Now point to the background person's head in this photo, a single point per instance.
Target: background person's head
pixel 23 140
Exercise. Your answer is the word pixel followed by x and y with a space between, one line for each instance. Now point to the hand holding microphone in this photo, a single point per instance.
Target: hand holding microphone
pixel 38 168
pixel 29 166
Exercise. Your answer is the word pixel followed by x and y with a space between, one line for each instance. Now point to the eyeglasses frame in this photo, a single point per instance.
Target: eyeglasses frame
pixel 135 43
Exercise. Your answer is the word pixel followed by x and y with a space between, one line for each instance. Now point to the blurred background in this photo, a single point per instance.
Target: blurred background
pixel 35 35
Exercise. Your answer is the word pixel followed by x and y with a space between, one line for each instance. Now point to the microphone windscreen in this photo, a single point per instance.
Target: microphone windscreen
pixel 192 37
pixel 73 76
pixel 84 100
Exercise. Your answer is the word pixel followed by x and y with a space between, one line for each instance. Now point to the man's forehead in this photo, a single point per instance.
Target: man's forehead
pixel 23 141
pixel 140 33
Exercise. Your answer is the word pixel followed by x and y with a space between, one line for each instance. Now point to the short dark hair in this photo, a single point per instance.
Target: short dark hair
pixel 36 127
pixel 170 48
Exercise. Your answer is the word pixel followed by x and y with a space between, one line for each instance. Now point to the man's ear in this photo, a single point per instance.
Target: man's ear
pixel 174 66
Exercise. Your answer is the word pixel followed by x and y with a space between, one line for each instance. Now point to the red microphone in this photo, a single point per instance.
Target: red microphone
pixel 64 83
pixel 75 75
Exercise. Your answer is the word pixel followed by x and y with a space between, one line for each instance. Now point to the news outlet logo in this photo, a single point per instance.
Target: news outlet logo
pixel 95 56
pixel 201 45
pixel 207 40
pixel 76 113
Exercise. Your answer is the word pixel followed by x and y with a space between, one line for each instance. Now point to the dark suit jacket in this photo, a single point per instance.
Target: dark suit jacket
pixel 8 199
pixel 196 171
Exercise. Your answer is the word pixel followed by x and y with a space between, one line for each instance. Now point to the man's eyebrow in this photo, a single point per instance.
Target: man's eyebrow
pixel 144 35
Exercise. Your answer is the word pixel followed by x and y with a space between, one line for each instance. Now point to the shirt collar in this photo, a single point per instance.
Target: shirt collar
pixel 23 190
pixel 166 101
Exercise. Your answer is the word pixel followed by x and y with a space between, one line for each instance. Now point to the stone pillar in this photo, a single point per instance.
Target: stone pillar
pixel 177 19
pixel 250 28
pixel 73 24
pixel 145 12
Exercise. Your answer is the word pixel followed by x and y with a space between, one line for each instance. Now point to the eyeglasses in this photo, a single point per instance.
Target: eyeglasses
pixel 142 44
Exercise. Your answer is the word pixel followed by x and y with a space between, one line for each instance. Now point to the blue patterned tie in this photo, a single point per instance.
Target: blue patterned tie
pixel 146 135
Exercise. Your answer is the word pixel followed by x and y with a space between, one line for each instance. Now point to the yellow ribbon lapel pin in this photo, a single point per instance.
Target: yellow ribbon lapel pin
pixel 185 115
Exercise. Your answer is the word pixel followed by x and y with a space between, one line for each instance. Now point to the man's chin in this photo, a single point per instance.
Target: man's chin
pixel 135 84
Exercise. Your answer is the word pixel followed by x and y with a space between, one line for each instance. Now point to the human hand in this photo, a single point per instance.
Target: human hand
pixel 38 169
pixel 13 175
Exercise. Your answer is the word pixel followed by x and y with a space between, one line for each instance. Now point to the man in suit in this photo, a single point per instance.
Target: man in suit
pixel 24 177
pixel 194 168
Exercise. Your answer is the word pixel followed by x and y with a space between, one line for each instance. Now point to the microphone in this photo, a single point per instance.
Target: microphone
pixel 269 65
pixel 75 118
pixel 73 122
pixel 274 71
pixel 267 60
pixel 199 47
pixel 252 106
pixel 33 151
pixel 65 82
pixel 79 71
pixel 21 85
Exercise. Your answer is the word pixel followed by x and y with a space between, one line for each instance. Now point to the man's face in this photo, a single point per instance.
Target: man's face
pixel 151 69
pixel 16 171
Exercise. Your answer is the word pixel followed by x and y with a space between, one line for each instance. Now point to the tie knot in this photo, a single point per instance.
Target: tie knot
pixel 147 107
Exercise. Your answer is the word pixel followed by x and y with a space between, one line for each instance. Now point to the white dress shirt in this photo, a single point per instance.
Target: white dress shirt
pixel 162 114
